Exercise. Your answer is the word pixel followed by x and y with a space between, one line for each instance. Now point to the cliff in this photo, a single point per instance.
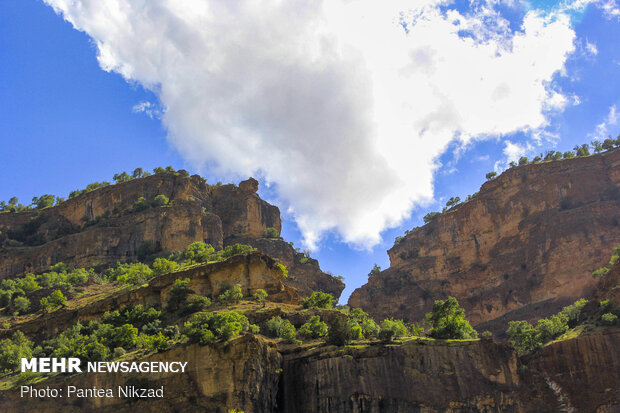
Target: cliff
pixel 305 274
pixel 251 374
pixel 522 248
pixel 105 226
pixel 253 271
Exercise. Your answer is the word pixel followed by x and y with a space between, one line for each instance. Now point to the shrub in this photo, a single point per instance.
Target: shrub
pixel 179 293
pixel 157 342
pixel 314 328
pixel 135 274
pixel 416 330
pixel 486 335
pixel 198 251
pixel 319 299
pixel 13 349
pixel 375 271
pixel 271 232
pixel 522 336
pixel 282 328
pixel 207 328
pixel 21 305
pixel 140 205
pixel 391 329
pixel 136 316
pixel 447 321
pixel 260 295
pixel 430 216
pixel 283 268
pixel 197 303
pixel 160 200
pixel 231 295
pixel 609 318
pixel 163 266
pixel 491 175
pixel 343 331
pixel 55 299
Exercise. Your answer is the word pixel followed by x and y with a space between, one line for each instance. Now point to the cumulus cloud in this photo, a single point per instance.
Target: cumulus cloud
pixel 603 129
pixel 148 108
pixel 345 105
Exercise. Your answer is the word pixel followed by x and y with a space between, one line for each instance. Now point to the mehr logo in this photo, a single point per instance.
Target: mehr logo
pixel 51 365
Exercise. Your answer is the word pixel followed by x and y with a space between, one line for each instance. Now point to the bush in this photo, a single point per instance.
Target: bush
pixel 430 216
pixel 486 335
pixel 163 266
pixel 140 205
pixel 160 200
pixel 609 318
pixel 447 321
pixel 375 271
pixel 119 352
pixel 231 295
pixel 136 316
pixel 55 299
pixel 391 329
pixel 198 251
pixel 13 350
pixel 21 305
pixel 416 330
pixel 271 233
pixel 179 293
pixel 319 300
pixel 134 274
pixel 207 328
pixel 491 175
pixel 314 328
pixel 343 331
pixel 197 303
pixel 282 328
pixel 260 295
pixel 157 342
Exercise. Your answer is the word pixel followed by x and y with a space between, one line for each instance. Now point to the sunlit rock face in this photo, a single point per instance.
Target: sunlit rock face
pixel 523 247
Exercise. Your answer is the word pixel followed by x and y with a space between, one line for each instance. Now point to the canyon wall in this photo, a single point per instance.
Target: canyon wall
pixel 524 246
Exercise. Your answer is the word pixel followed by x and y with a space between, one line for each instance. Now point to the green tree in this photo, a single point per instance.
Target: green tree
pixel 163 266
pixel 447 321
pixel 342 331
pixel 608 144
pixel 523 160
pixel 21 304
pixel 198 251
pixel 161 200
pixel 491 175
pixel 137 173
pixel 13 350
pixel 319 299
pixel 44 201
pixel 196 303
pixel 376 270
pixel 582 150
pixel 121 177
pixel 231 295
pixel 430 216
pixel 178 293
pixel 453 201
pixel 55 299
pixel 609 319
pixel 260 295
pixel 271 232
pixel 391 329
pixel 523 336
pixel 597 146
pixel 135 274
pixel 207 328
pixel 314 328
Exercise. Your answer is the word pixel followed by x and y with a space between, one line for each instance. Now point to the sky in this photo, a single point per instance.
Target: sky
pixel 357 117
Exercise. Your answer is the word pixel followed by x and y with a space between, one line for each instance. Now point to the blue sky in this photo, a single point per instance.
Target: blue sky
pixel 65 122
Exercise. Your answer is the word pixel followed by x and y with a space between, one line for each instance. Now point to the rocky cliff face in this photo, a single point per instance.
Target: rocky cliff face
pixel 241 374
pixel 252 271
pixel 523 247
pixel 304 273
pixel 104 226
pixel 578 375
pixel 250 374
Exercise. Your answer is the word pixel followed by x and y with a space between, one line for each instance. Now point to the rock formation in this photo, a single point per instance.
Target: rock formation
pixel 108 225
pixel 522 248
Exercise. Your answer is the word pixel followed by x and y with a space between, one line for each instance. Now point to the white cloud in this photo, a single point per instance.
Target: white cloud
pixel 345 105
pixel 603 130
pixel 148 108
